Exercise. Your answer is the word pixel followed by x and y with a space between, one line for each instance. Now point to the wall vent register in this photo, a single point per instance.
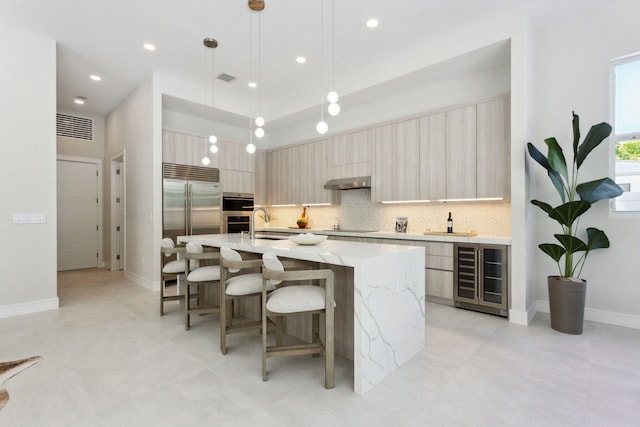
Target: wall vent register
pixel 69 126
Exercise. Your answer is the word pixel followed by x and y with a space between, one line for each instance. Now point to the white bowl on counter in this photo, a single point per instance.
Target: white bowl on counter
pixel 308 239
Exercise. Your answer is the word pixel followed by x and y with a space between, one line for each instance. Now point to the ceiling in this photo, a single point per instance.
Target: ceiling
pixel 106 38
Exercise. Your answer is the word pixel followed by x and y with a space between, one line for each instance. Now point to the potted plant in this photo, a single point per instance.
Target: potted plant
pixel 567 291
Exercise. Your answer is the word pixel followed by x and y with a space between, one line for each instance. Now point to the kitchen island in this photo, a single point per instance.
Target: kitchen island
pixel 387 301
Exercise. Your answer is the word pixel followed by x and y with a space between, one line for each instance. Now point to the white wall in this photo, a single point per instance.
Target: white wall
pixel 130 127
pixel 28 173
pixel 572 73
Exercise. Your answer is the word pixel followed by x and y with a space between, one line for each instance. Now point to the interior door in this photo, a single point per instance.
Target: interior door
pixel 77 189
pixel 205 208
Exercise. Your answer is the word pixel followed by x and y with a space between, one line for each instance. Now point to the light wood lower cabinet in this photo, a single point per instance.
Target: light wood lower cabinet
pixel 438 271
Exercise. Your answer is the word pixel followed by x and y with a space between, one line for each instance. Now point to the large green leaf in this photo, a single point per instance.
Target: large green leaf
pixel 555 177
pixel 567 213
pixel 596 135
pixel 599 189
pixel 597 239
pixel 553 250
pixel 575 122
pixel 571 243
pixel 556 158
pixel 542 205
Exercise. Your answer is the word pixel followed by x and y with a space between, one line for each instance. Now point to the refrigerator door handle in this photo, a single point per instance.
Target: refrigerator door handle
pixel 187 210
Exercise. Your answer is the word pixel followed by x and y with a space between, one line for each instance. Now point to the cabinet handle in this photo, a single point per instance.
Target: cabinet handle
pixel 479 277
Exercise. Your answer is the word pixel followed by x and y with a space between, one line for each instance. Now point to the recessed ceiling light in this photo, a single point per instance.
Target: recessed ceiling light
pixel 149 46
pixel 301 59
pixel 79 100
pixel 95 77
pixel 253 84
pixel 372 23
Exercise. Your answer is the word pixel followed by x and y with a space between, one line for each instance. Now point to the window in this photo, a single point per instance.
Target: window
pixel 625 137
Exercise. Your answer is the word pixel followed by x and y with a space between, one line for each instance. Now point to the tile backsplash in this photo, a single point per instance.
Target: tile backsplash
pixel 490 218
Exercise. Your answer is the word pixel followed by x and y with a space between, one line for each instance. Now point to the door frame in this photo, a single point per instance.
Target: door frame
pixel 118 158
pixel 99 207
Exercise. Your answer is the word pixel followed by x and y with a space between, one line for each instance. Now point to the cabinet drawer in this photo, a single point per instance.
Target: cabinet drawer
pixel 436 248
pixel 439 262
pixel 438 283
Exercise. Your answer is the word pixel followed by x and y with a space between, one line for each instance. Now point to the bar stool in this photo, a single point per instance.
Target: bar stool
pixel 235 286
pixel 200 276
pixel 296 299
pixel 169 269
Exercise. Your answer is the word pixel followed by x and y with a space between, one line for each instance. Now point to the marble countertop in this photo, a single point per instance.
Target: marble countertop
pixel 334 252
pixel 495 240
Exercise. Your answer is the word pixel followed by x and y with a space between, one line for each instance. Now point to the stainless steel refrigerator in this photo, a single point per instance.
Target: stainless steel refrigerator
pixel 191 200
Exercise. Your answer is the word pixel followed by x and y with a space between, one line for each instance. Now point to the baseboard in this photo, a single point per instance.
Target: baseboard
pixel 29 307
pixel 601 316
pixel 139 280
pixel 523 318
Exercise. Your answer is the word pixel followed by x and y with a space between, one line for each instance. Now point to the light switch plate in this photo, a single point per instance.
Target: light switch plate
pixel 37 218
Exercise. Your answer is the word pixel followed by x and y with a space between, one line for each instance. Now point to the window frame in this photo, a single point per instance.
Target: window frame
pixel 614 138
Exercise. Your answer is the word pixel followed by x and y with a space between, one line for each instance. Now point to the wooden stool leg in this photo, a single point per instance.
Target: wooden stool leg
pixel 223 320
pixel 264 345
pixel 187 307
pixel 161 296
pixel 315 331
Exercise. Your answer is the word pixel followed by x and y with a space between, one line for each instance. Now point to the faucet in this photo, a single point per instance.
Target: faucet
pixel 253 220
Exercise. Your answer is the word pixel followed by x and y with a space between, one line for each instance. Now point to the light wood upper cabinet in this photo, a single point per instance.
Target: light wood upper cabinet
pixel 184 149
pixel 461 153
pixel 234 156
pixel 296 175
pixel 351 154
pixel 494 149
pixel 260 178
pixel 433 157
pixel 395 174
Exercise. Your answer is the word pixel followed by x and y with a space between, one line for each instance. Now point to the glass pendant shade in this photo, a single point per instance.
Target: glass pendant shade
pixel 334 109
pixel 259 121
pixel 213 139
pixel 259 132
pixel 206 161
pixel 213 149
pixel 251 148
pixel 332 97
pixel 322 127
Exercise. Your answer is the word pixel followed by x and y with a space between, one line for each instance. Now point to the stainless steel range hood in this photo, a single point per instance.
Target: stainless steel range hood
pixel 349 183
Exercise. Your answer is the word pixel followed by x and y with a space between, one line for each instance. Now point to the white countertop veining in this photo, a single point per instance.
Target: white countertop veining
pixel 496 240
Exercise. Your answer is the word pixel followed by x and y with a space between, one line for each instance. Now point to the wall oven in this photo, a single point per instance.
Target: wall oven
pixel 236 212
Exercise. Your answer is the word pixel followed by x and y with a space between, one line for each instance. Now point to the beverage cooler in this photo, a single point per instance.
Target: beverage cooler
pixel 480 278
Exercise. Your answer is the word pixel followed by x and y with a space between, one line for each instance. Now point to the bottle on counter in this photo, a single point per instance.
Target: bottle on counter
pixel 449 224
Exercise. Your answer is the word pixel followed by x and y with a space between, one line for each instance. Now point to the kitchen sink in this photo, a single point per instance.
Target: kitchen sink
pixel 271 237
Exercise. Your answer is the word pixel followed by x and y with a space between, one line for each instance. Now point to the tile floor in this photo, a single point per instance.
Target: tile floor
pixel 111 360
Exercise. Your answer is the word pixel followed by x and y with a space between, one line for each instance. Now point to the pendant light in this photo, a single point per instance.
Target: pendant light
pixel 251 148
pixel 259 120
pixel 322 127
pixel 210 43
pixel 332 96
pixel 256 6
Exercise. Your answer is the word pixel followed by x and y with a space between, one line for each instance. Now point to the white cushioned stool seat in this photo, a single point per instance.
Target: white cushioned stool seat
pixel 246 284
pixel 204 274
pixel 293 299
pixel 174 267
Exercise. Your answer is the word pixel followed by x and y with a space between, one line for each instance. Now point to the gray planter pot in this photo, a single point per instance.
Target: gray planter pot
pixel 566 304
